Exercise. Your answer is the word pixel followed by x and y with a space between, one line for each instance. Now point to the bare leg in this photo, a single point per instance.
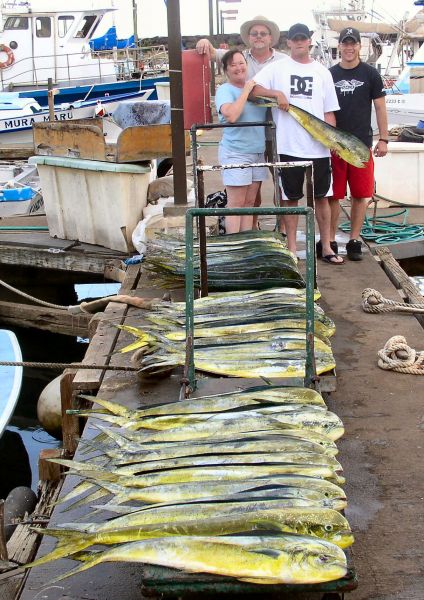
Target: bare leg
pixel 289 222
pixel 335 216
pixel 323 215
pixel 258 202
pixel 246 223
pixel 236 197
pixel 357 216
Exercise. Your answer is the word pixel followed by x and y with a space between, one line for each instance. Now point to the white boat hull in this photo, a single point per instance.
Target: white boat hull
pixel 10 377
pixel 17 130
pixel 402 109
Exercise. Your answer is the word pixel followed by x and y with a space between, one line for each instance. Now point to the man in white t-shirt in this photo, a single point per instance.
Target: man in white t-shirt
pixel 303 82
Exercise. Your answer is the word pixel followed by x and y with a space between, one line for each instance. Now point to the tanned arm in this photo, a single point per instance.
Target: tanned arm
pixel 381 115
pixel 232 110
pixel 330 118
pixel 282 101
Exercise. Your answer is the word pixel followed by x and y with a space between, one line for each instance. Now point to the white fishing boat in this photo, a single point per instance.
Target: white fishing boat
pixel 385 44
pixel 17 115
pixel 378 37
pixel 10 377
pixel 405 99
pixel 42 42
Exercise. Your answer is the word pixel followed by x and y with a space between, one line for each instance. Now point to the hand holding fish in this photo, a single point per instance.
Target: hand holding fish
pixel 380 149
pixel 282 102
pixel 249 85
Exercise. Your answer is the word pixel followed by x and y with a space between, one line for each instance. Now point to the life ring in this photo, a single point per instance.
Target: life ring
pixel 10 56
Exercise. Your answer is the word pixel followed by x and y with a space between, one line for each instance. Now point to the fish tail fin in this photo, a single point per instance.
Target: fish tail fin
pixel 89 559
pixel 96 495
pixel 72 543
pixel 79 489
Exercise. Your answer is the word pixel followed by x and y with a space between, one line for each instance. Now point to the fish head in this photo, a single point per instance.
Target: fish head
pixel 326 524
pixel 352 158
pixel 316 561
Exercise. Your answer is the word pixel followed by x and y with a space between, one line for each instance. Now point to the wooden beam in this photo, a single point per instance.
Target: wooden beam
pixel 400 279
pixel 49 471
pixel 60 260
pixel 70 423
pixel 47 319
pixel 103 343
pixel 16 152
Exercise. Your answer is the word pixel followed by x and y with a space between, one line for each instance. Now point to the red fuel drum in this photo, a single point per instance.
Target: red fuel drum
pixel 196 88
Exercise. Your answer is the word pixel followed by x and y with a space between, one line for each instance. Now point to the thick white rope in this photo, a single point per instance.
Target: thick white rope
pixel 398 356
pixel 374 302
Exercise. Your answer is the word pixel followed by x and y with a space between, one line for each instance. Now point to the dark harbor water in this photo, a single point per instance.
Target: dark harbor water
pixel 24 438
pixel 24 432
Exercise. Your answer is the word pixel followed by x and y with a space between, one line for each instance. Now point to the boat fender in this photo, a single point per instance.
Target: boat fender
pixel 10 56
pixel 21 500
pixel 49 408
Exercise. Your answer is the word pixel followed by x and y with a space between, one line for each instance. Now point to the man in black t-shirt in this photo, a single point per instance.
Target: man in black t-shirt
pixel 358 85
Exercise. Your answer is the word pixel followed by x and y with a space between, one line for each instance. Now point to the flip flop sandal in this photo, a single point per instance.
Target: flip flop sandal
pixel 333 245
pixel 328 258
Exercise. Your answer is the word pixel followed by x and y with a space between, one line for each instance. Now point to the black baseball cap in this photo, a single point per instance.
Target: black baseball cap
pixel 298 29
pixel 349 32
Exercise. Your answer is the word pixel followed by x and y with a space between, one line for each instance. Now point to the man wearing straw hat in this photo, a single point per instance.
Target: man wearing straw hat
pixel 259 35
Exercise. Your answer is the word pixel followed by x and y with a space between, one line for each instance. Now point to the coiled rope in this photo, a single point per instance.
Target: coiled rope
pixel 398 356
pixel 374 302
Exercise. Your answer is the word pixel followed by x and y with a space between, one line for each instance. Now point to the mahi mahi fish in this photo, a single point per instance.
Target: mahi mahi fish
pixel 253 559
pixel 347 146
pixel 323 523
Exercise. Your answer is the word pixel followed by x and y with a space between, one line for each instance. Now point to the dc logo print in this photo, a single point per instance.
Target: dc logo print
pixel 301 86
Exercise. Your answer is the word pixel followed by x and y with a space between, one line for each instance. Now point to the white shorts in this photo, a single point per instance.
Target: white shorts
pixel 239 177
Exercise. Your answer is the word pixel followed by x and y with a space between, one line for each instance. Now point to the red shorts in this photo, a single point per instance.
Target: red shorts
pixel 361 181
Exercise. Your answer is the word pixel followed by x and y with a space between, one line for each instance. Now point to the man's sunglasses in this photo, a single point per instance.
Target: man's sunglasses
pixel 259 33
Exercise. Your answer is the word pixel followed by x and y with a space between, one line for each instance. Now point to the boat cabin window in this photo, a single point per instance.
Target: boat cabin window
pixel 85 26
pixel 43 27
pixel 16 23
pixel 64 24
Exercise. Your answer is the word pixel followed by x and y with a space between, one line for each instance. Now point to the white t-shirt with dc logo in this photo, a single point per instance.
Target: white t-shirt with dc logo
pixel 308 86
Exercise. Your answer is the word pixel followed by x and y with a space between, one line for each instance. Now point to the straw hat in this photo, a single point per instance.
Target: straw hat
pixel 259 20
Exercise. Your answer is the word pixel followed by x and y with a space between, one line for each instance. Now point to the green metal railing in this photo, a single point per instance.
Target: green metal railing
pixel 192 213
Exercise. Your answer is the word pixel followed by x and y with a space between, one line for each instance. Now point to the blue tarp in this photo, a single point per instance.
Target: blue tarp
pixel 109 40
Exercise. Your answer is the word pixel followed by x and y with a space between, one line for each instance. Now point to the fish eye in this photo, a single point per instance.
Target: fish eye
pixel 326 494
pixel 328 527
pixel 324 558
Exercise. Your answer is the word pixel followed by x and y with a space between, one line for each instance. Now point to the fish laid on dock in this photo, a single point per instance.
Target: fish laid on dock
pixel 261 461
pixel 248 260
pixel 252 559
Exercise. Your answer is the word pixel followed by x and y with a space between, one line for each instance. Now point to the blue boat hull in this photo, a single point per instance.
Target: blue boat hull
pixel 98 91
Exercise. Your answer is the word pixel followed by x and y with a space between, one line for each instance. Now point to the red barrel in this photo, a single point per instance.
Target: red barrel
pixel 196 88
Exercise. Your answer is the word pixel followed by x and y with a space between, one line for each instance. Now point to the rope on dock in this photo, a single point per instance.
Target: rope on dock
pixel 398 356
pixel 374 302
pixel 63 366
pixel 29 297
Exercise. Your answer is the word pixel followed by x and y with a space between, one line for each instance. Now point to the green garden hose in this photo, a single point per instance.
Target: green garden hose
pixel 381 230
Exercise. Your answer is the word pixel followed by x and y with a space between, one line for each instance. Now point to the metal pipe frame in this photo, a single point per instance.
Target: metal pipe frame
pixel 310 371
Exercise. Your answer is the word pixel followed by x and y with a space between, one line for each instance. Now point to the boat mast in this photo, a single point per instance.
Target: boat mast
pixel 134 7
